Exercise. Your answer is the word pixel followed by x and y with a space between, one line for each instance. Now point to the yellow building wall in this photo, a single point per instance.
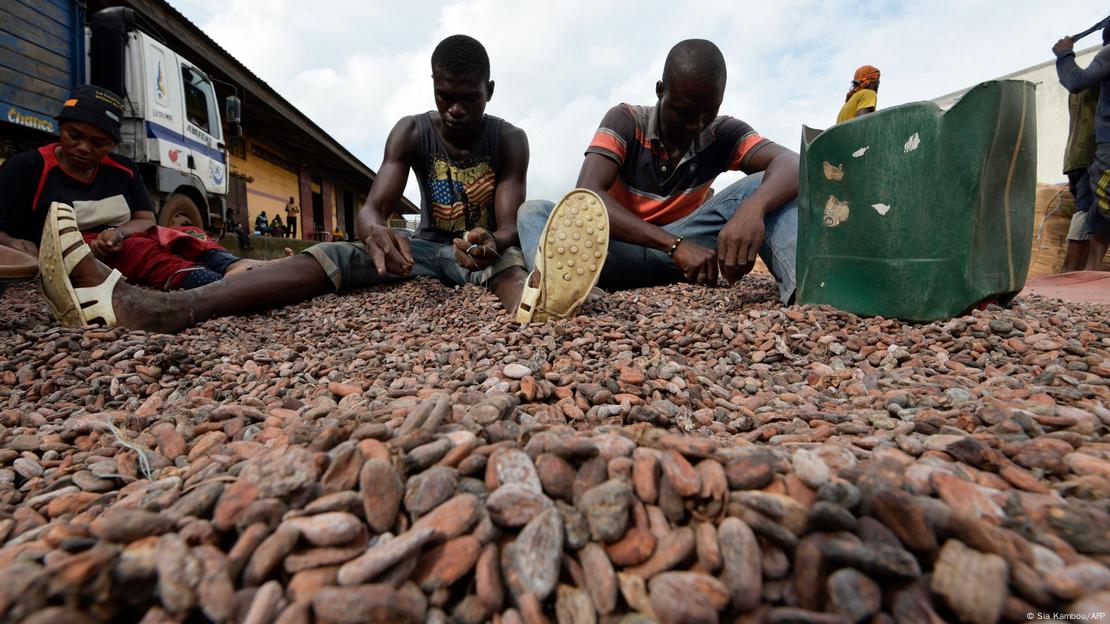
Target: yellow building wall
pixel 271 188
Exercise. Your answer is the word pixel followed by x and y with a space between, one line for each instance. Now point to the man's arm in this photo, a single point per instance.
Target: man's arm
pixel 389 250
pixel 865 110
pixel 511 188
pixel 18 179
pixel 598 174
pixel 739 241
pixel 1074 78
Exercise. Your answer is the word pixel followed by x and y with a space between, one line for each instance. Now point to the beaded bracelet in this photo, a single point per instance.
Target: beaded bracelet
pixel 674 247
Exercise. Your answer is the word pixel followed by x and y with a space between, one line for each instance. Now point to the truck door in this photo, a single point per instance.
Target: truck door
pixel 202 128
pixel 164 118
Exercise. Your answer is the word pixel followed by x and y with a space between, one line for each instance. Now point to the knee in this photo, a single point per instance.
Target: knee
pixel 534 210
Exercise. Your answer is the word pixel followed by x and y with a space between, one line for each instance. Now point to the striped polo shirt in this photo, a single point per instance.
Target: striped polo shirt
pixel 648 184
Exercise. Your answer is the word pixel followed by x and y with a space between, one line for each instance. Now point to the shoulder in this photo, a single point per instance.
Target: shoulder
pixel 24 162
pixel 122 163
pixel 631 112
pixel 408 128
pixel 404 138
pixel 625 118
pixel 511 135
pixel 726 125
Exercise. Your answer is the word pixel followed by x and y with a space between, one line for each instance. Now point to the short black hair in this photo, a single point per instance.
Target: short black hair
pixel 460 54
pixel 695 58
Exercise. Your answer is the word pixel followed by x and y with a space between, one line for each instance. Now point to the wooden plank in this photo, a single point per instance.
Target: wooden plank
pixel 47 102
pixel 37 38
pixel 58 10
pixel 22 21
pixel 28 50
pixel 34 84
pixel 20 66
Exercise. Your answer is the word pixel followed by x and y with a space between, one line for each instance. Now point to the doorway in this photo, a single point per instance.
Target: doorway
pixel 317 205
pixel 349 214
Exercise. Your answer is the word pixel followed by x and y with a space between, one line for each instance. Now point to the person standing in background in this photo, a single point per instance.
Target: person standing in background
pixel 1077 80
pixel 863 97
pixel 1078 155
pixel 291 212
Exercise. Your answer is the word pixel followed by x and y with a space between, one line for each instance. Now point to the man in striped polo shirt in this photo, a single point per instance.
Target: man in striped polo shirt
pixel 653 166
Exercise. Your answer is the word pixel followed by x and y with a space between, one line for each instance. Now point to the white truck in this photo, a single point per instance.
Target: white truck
pixel 172 126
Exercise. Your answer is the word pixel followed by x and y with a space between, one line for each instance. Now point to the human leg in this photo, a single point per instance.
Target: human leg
pixel 530 221
pixel 144 261
pixel 570 255
pixel 504 278
pixel 83 289
pixel 1075 258
pixel 1098 219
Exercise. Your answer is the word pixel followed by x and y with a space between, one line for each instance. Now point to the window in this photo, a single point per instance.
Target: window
pixel 200 101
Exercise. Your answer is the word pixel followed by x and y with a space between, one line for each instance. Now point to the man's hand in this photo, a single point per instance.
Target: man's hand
pixel 390 251
pixel 1062 46
pixel 476 250
pixel 738 243
pixel 107 243
pixel 698 264
pixel 25 246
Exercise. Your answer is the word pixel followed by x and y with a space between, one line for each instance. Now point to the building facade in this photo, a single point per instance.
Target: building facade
pixel 275 153
pixel 1052 113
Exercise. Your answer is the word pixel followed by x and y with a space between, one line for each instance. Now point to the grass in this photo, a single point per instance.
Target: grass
pixel 265 247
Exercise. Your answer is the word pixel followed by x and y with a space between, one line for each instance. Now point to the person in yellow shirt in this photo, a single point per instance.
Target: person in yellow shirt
pixel 863 97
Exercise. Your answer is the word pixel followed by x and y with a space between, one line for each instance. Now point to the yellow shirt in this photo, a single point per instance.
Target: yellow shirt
pixel 864 98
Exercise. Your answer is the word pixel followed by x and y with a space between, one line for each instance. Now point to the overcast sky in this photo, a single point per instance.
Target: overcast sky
pixel 356 66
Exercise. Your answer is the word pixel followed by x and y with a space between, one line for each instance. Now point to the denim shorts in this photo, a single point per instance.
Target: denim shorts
pixel 348 265
pixel 217 260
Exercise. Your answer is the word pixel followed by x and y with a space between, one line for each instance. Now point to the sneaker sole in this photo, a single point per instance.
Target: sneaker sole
pixel 571 254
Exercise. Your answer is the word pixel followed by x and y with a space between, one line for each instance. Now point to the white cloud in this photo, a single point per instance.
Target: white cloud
pixel 356 67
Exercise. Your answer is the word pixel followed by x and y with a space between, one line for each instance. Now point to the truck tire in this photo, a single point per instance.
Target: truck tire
pixel 180 210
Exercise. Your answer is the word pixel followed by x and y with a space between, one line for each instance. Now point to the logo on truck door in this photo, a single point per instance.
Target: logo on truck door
pixel 160 84
pixel 217 174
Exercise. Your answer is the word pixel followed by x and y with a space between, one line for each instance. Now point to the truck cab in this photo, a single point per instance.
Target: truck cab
pixel 172 127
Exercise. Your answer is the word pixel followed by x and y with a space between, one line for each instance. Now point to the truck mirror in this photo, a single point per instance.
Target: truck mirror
pixel 235 130
pixel 234 107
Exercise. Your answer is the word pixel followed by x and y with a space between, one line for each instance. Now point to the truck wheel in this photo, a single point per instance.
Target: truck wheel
pixel 180 210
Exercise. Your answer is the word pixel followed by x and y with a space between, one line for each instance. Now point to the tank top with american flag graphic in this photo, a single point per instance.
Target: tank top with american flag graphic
pixel 456 195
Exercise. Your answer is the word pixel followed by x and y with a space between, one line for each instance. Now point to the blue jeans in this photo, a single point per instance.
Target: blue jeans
pixel 348 265
pixel 633 266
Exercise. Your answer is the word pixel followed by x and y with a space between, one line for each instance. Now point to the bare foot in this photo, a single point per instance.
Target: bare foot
pixel 135 308
pixel 508 285
pixel 288 252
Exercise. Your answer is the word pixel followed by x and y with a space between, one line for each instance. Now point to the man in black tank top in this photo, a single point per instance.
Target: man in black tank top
pixel 472 170
pixel 471 167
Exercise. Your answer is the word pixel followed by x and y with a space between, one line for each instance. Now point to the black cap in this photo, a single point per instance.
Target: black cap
pixel 96 106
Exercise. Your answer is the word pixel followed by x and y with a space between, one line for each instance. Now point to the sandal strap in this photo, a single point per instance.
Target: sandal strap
pixel 529 299
pixel 67 219
pixel 101 298
pixel 75 256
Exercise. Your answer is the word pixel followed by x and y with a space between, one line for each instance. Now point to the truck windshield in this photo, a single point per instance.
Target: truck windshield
pixel 200 101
